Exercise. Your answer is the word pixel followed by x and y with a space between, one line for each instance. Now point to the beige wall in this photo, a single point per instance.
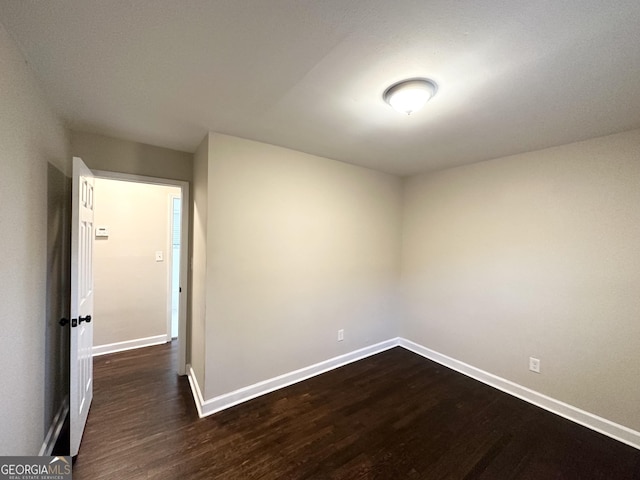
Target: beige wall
pixel 131 287
pixel 116 155
pixel 199 262
pixel 534 255
pixel 31 138
pixel 298 247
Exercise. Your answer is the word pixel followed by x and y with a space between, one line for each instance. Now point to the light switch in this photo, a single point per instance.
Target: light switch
pixel 159 256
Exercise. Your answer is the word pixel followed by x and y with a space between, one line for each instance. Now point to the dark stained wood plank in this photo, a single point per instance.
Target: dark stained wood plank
pixel 394 415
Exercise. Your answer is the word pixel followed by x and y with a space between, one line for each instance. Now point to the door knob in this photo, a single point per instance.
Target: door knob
pixel 84 319
pixel 63 321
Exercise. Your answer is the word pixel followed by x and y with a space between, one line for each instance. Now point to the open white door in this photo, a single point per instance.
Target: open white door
pixel 81 374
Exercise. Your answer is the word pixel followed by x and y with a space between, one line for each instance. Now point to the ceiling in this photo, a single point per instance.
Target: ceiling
pixel 513 75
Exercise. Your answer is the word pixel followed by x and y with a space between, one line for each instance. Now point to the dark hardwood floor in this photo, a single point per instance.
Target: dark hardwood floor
pixel 394 415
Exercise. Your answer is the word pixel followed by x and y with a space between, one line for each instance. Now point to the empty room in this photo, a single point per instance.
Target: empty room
pixel 407 246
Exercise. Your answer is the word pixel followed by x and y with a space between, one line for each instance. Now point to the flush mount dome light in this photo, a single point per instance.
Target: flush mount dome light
pixel 409 96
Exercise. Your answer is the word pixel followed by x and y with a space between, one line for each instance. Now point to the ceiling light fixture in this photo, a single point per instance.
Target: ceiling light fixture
pixel 409 96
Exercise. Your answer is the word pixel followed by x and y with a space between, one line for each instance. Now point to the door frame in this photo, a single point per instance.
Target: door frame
pixel 184 254
pixel 170 285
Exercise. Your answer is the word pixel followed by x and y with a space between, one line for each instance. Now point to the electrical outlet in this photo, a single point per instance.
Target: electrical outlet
pixel 340 335
pixel 534 364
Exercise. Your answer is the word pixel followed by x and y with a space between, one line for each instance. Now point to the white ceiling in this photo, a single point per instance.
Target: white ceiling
pixel 513 75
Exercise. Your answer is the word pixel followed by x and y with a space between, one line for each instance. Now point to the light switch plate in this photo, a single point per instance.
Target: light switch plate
pixel 159 256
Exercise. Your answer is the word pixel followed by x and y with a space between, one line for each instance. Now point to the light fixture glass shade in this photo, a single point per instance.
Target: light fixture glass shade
pixel 410 96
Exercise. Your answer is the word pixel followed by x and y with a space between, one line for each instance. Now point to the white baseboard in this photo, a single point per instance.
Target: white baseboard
pixel 54 430
pixel 128 345
pixel 195 390
pixel 594 422
pixel 222 402
pixel 584 418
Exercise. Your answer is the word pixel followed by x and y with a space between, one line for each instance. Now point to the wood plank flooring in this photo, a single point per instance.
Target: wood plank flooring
pixel 394 415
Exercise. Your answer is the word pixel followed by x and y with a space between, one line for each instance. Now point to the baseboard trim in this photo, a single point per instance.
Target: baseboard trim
pixel 128 345
pixel 594 422
pixel 56 427
pixel 195 390
pixel 227 400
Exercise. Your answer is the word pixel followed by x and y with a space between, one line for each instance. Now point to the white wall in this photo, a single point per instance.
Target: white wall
pixel 100 152
pixel 131 287
pixel 199 261
pixel 298 247
pixel 534 255
pixel 30 137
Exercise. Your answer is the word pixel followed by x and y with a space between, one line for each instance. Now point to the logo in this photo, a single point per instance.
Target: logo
pixel 35 468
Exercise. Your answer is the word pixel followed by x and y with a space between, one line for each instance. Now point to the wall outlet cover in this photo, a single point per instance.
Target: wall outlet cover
pixel 534 364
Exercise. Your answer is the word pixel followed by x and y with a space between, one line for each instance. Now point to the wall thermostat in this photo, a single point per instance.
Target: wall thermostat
pixel 102 232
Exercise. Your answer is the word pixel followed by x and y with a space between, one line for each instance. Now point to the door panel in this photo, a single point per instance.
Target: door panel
pixel 81 374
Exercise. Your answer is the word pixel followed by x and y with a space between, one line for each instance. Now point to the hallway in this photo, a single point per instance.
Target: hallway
pixel 140 411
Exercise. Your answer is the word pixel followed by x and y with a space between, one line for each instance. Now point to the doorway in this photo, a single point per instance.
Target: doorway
pixel 140 259
pixel 176 215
